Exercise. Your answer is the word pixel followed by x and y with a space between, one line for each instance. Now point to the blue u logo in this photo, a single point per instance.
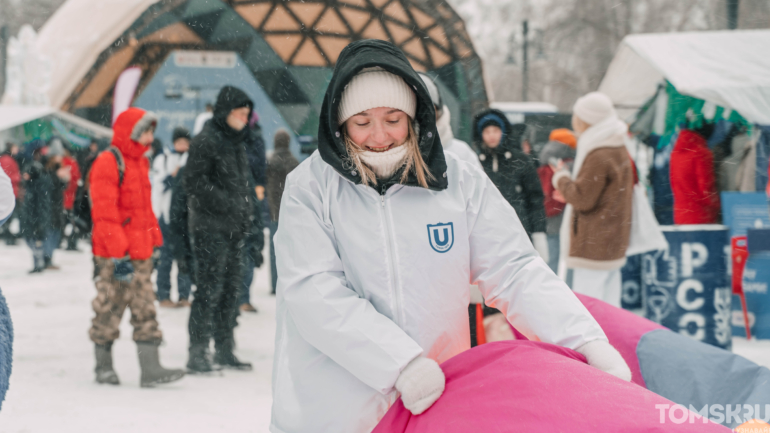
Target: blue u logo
pixel 441 236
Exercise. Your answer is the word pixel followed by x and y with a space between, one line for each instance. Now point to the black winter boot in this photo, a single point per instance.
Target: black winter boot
pixel 200 360
pixel 104 371
pixel 152 372
pixel 224 356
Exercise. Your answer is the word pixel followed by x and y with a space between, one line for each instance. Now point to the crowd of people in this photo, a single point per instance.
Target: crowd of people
pixel 359 288
pixel 198 203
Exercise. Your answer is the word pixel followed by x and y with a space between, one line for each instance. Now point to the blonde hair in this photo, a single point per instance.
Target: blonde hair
pixel 412 162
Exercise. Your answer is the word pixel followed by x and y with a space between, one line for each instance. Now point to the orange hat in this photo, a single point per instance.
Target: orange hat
pixel 564 135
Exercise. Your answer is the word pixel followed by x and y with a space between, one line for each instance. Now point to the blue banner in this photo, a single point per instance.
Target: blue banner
pixel 631 296
pixel 744 210
pixel 687 288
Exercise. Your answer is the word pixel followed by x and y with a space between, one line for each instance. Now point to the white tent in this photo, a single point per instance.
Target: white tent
pixel 77 33
pixel 15 115
pixel 727 68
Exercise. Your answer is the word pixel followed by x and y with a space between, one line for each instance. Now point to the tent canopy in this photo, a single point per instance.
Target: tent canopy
pixel 15 115
pixel 728 68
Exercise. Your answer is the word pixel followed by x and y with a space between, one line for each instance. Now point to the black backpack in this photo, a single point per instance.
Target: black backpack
pixel 84 203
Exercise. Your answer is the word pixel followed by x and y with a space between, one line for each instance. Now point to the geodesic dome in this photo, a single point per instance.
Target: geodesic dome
pixel 290 47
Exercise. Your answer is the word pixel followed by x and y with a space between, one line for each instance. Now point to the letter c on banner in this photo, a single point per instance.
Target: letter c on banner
pixel 681 295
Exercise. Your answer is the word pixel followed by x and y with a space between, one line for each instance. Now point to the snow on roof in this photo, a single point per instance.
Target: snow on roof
pixel 77 33
pixel 525 107
pixel 727 68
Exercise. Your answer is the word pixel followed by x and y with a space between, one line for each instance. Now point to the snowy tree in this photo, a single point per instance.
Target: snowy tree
pixel 579 38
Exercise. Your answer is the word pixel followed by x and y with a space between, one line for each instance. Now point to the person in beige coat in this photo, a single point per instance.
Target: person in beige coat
pixel 599 194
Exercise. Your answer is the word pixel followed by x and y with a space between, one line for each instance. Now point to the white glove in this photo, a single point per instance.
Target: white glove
pixel 540 240
pixel 421 383
pixel 602 355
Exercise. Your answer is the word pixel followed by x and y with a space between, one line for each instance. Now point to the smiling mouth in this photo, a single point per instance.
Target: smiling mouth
pixel 379 149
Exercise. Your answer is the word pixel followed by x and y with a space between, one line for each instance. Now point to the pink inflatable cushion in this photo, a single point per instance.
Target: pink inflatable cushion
pixel 527 386
pixel 623 329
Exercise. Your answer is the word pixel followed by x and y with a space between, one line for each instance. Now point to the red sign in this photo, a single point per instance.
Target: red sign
pixel 740 255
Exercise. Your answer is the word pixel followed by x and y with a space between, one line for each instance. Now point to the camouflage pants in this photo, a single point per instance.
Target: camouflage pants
pixel 112 298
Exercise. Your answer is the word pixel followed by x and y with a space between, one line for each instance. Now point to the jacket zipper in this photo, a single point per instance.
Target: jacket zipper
pixel 391 261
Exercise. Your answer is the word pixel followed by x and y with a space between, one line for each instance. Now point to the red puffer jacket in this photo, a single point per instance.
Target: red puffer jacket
pixel 122 214
pixel 693 181
pixel 72 186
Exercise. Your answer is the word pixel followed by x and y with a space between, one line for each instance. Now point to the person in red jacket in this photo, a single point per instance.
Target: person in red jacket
pixel 693 181
pixel 124 226
pixel 70 193
pixel 11 168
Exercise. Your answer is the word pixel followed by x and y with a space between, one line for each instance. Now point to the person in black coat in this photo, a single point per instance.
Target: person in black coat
pixel 512 171
pixel 181 247
pixel 280 164
pixel 221 203
pixel 255 239
pixel 36 213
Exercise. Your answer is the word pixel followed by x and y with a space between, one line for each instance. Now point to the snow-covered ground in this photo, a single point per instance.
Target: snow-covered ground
pixel 52 387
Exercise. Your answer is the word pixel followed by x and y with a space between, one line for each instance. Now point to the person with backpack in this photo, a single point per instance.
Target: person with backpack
pixel 125 228
pixel 165 173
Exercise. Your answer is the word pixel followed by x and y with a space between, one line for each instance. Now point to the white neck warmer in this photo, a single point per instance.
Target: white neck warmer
pixel 444 126
pixel 384 164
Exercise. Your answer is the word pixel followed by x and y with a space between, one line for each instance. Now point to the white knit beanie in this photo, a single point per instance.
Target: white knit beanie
pixel 593 108
pixel 374 88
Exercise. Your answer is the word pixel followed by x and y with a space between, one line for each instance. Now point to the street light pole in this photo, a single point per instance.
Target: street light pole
pixel 524 62
pixel 732 14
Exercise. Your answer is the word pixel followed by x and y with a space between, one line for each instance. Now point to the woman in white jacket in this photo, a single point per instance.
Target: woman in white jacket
pixel 378 239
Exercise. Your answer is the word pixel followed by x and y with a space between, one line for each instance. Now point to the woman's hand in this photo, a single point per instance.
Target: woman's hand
pixel 64 173
pixel 421 383
pixel 558 196
pixel 601 354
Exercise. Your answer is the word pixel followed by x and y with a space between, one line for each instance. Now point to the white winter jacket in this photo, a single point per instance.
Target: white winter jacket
pixel 163 166
pixel 369 282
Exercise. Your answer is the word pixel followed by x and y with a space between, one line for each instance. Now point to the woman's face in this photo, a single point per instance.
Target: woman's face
pixel 147 137
pixel 492 136
pixel 578 125
pixel 378 129
pixel 239 118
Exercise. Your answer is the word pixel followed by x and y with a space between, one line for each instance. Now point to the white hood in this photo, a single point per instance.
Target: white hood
pixel 367 283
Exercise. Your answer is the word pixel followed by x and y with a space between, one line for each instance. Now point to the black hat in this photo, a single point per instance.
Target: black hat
pixel 180 132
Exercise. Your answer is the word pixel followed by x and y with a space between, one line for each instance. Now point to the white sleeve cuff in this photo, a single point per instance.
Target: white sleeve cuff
pixel 557 176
